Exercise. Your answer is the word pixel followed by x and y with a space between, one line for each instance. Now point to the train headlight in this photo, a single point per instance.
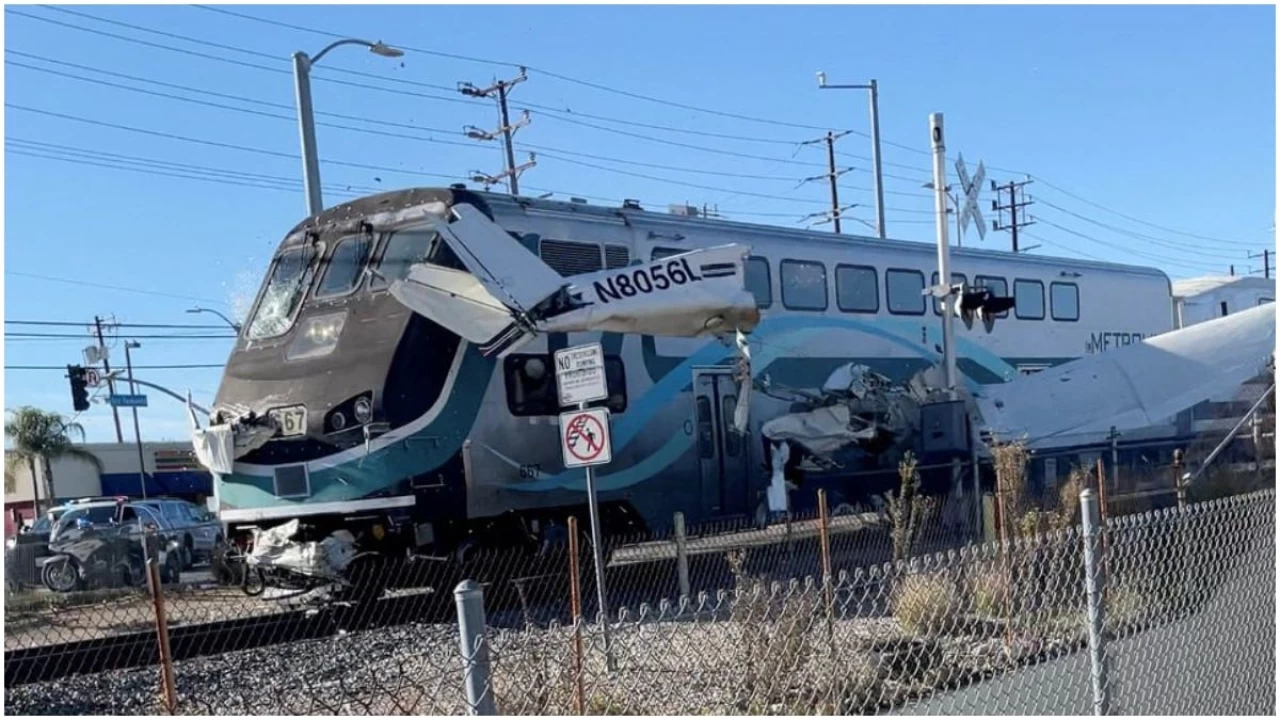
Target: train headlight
pixel 317 337
pixel 338 421
pixel 363 410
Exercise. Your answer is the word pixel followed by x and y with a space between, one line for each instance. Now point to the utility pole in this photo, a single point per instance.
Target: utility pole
pixel 506 129
pixel 137 434
pixel 1266 263
pixel 1014 189
pixel 831 176
pixel 106 371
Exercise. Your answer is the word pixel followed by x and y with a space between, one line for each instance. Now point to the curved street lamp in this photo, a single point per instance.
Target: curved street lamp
pixel 302 64
pixel 197 309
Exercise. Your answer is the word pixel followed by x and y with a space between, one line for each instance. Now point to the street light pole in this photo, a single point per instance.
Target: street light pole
pixel 875 142
pixel 302 64
pixel 197 309
pixel 137 433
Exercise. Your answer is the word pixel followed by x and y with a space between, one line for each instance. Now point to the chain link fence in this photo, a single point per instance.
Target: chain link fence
pixel 897 609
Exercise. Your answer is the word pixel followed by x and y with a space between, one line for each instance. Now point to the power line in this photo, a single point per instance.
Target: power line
pixel 151 326
pixel 131 336
pixel 85 283
pixel 63 368
pixel 1124 250
pixel 1160 242
pixel 1137 220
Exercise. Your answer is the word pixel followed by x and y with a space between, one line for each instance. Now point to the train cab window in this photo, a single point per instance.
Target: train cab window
pixel 403 250
pixel 956 279
pixel 905 289
pixel 804 284
pixel 857 289
pixel 1028 299
pixel 346 266
pixel 287 284
pixel 531 385
pixel 998 286
pixel 1064 301
pixel 571 258
pixel 758 281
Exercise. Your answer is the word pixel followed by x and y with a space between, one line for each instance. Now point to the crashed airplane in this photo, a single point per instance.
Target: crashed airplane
pixel 394 378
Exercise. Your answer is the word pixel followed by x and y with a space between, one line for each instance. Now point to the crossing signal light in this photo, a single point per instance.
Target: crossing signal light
pixel 79 393
pixel 980 303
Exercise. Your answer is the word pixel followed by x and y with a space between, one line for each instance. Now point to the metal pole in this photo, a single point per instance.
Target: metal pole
pixel 137 434
pixel 512 183
pixel 944 250
pixel 1093 579
pixel 598 555
pixel 307 129
pixel 875 158
pixel 111 384
pixel 475 650
pixel 682 556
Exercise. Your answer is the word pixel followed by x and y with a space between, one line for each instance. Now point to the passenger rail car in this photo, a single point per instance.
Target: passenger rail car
pixel 394 427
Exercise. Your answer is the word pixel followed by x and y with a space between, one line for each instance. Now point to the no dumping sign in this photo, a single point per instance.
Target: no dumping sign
pixel 584 438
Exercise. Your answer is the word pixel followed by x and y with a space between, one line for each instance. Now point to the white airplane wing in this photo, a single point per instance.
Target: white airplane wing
pixel 1135 386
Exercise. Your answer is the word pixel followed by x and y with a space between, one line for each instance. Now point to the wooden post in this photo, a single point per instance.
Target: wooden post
pixel 575 605
pixel 824 538
pixel 162 633
pixel 1102 512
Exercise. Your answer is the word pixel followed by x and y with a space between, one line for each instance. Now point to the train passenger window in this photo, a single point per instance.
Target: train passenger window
pixel 1028 299
pixel 956 279
pixel 1064 301
pixel 758 281
pixel 403 250
pixel 905 289
pixel 666 252
pixel 616 256
pixel 287 284
pixel 346 266
pixel 732 440
pixel 998 286
pixel 531 385
pixel 571 258
pixel 804 285
pixel 857 289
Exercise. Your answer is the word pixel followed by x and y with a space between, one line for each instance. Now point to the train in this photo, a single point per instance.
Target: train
pixel 379 420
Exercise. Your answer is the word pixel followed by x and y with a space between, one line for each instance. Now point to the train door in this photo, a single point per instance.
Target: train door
pixel 722 452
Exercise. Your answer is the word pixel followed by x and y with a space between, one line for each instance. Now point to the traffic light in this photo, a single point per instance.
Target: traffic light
pixel 981 303
pixel 79 395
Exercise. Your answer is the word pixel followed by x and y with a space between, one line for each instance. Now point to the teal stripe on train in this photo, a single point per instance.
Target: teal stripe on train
pixel 430 447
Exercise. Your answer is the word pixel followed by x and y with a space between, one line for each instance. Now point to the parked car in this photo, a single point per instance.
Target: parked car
pixel 100 541
pixel 198 529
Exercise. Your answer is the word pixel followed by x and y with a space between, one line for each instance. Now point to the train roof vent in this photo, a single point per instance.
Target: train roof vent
pixel 684 210
pixel 571 258
pixel 578 200
pixel 630 204
pixel 458 186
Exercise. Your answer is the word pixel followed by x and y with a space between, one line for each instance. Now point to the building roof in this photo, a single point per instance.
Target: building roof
pixel 1191 287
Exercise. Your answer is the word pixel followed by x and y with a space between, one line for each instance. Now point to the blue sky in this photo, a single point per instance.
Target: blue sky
pixel 1163 114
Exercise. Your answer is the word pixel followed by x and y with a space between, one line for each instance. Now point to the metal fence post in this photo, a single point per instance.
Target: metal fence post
pixel 162 634
pixel 682 556
pixel 476 675
pixel 1093 579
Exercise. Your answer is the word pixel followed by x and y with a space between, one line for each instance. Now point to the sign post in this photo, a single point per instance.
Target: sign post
pixel 584 442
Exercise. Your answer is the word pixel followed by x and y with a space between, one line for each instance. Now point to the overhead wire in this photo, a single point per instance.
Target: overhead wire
pixel 86 283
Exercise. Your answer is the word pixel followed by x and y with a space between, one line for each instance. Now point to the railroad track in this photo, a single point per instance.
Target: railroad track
pixel 51 662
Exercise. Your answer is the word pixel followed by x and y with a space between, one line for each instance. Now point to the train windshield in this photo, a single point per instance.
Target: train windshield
pixel 286 286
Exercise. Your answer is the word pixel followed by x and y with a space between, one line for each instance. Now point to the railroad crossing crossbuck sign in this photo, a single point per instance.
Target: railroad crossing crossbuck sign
pixel 584 438
pixel 971 189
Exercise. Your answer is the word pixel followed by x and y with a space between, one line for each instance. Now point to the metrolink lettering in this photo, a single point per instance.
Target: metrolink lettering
pixel 659 276
pixel 1099 342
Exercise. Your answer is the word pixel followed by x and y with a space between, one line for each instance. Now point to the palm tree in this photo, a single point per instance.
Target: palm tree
pixel 43 436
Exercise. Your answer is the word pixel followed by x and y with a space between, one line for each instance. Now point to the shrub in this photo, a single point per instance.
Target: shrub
pixel 926 604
